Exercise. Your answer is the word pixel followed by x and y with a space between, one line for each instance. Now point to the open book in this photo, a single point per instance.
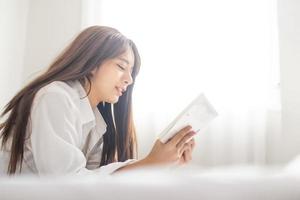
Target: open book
pixel 198 114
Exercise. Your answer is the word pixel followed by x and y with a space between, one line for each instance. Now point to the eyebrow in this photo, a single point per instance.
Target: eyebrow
pixel 123 59
pixel 127 62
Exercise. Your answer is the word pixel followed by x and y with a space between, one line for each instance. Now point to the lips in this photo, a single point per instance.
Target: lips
pixel 120 90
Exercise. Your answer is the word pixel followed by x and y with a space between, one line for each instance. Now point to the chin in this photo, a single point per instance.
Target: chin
pixel 113 100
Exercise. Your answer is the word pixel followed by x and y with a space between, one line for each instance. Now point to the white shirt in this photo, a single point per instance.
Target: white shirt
pixel 65 136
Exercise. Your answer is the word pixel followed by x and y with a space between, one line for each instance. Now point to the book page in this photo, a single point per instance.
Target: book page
pixel 199 113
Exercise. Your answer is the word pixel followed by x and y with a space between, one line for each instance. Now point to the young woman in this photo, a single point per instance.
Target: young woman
pixel 77 116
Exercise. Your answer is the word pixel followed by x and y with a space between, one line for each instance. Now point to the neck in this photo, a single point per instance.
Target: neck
pixel 93 98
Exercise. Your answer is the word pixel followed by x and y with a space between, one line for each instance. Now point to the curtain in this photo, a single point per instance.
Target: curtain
pixel 226 49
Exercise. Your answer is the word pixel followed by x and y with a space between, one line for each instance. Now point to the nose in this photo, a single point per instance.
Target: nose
pixel 128 79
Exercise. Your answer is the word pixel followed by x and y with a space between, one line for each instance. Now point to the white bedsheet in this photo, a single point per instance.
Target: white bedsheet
pixel 233 183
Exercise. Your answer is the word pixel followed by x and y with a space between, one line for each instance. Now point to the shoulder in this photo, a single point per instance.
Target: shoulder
pixel 58 88
pixel 58 94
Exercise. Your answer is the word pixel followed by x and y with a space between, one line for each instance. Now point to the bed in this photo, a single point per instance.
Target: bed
pixel 232 183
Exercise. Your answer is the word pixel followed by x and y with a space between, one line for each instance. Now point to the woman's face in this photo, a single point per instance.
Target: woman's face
pixel 112 78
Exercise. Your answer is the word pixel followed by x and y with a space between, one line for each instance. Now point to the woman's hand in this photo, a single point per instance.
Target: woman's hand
pixel 187 153
pixel 176 149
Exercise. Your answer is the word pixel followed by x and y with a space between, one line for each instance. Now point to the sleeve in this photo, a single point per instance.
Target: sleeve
pixel 55 138
pixel 107 169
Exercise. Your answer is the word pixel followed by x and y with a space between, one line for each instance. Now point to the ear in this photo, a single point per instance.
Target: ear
pixel 94 71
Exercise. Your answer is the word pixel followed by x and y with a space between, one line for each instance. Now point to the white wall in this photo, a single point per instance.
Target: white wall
pixel 34 31
pixel 13 20
pixel 289 37
pixel 32 34
pixel 51 26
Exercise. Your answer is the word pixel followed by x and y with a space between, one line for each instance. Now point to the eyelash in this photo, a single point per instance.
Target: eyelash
pixel 122 68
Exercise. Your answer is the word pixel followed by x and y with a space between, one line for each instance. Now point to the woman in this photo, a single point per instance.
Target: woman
pixel 77 116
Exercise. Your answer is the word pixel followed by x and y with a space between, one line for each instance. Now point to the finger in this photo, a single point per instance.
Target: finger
pixel 184 148
pixel 184 158
pixel 193 145
pixel 181 161
pixel 191 142
pixel 190 150
pixel 185 139
pixel 189 155
pixel 180 135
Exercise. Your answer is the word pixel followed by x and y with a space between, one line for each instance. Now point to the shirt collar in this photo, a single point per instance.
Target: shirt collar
pixel 87 113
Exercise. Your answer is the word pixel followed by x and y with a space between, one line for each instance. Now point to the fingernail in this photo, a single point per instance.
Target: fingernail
pixel 193 132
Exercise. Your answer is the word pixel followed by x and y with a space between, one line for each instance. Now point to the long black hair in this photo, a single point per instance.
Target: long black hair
pixel 88 51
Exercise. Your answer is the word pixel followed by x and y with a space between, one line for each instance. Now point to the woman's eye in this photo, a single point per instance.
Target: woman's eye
pixel 122 68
